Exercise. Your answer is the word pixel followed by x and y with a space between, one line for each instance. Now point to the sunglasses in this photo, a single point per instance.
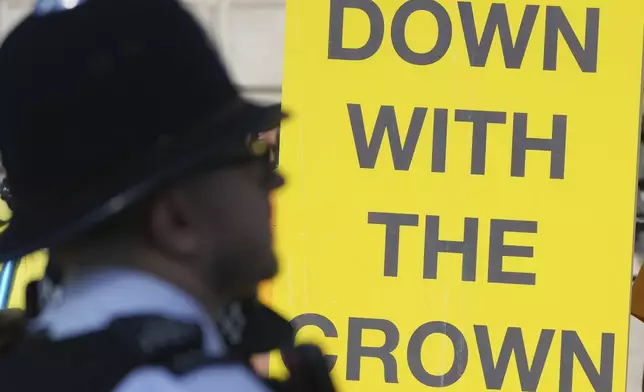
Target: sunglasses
pixel 265 146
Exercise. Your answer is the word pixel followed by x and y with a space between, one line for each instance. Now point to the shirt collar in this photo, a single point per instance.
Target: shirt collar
pixel 94 298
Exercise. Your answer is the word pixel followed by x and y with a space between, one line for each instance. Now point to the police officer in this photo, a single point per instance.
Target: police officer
pixel 132 157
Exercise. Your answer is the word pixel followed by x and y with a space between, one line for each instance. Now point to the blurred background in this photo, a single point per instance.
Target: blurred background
pixel 250 35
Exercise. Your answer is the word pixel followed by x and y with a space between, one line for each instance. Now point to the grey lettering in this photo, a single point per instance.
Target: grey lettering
pixel 521 143
pixel 323 323
pixel 439 147
pixel 434 246
pixel 415 361
pixel 392 223
pixel 337 51
pixel 498 250
pixel 513 52
pixel 529 375
pixel 480 120
pixel 571 347
pixel 557 22
pixel 356 351
pixel 399 24
pixel 386 122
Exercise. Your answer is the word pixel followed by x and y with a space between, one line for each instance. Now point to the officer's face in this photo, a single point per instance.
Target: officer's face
pixel 217 226
pixel 237 222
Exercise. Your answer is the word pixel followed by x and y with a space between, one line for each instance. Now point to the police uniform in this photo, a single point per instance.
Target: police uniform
pixel 101 103
pixel 92 300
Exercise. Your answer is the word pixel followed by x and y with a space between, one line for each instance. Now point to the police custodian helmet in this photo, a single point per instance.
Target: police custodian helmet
pixel 101 102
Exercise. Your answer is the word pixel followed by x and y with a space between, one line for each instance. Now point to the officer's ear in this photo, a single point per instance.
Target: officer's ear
pixel 172 225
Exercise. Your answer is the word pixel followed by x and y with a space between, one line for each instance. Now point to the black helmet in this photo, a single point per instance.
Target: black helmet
pixel 101 102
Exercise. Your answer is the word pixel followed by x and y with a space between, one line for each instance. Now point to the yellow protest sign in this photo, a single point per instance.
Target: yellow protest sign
pixel 460 204
pixel 31 267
